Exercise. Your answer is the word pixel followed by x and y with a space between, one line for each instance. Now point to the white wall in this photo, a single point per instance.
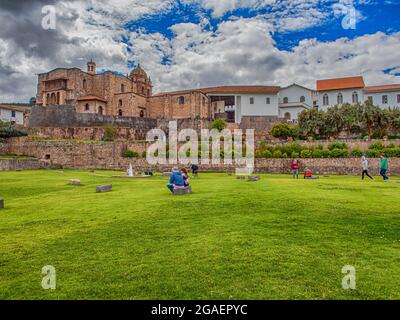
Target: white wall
pixel 260 106
pixel 294 112
pixel 377 99
pixel 333 97
pixel 293 93
pixel 6 115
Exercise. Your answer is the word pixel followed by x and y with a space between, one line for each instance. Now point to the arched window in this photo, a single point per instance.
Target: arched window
pixel 122 88
pixel 120 103
pixel 142 114
pixel 101 110
pixel 148 92
pixel 84 84
pixel 285 100
pixel 326 100
pixel 181 100
pixel 87 107
pixel 48 99
pixel 288 116
pixel 53 98
pixel 355 97
pixel 302 99
pixel 58 98
pixel 340 98
pixel 143 90
pixel 120 112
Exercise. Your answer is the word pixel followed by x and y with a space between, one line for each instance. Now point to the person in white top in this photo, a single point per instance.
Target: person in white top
pixel 365 167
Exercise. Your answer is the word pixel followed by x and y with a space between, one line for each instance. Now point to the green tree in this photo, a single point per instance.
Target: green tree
pixel 219 124
pixel 369 117
pixel 311 122
pixel 334 121
pixel 281 130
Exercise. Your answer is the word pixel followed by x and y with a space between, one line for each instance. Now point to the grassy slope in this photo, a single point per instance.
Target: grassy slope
pixel 273 239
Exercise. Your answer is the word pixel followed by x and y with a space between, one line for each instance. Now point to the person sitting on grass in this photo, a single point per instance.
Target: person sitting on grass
pixel 384 167
pixel 295 169
pixel 176 180
pixel 185 176
pixel 308 174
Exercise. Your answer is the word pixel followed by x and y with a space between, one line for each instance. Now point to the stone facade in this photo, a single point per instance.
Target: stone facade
pixel 180 105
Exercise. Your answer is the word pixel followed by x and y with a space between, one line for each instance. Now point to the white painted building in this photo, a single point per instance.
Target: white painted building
pixel 387 96
pixel 294 99
pixel 353 90
pixel 245 101
pixel 339 91
pixel 12 113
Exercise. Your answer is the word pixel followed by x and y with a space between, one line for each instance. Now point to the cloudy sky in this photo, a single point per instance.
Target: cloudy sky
pixel 197 43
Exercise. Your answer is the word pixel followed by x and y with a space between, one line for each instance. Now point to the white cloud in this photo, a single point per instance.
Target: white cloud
pixel 239 51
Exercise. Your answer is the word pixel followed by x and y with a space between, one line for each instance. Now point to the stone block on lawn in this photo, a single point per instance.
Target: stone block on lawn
pixel 1 203
pixel 106 188
pixel 254 178
pixel 75 182
pixel 241 177
pixel 182 191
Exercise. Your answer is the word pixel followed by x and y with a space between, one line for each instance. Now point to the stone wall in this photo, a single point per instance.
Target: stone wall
pixel 20 164
pixel 126 134
pixel 3 148
pixel 65 117
pixel 109 155
pixel 259 123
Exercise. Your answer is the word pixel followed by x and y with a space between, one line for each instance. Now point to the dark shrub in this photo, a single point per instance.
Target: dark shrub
pixel 131 154
pixel 337 145
pixel 306 154
pixel 357 152
pixel 376 146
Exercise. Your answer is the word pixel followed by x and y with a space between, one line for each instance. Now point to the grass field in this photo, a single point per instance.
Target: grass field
pixel 272 239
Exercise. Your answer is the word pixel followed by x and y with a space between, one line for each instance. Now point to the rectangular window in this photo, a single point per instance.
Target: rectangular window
pixel 398 98
pixel 371 99
pixel 13 114
pixel 251 100
pixel 268 100
pixel 384 99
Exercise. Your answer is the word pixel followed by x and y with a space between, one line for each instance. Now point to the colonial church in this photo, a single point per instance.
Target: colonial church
pixel 107 93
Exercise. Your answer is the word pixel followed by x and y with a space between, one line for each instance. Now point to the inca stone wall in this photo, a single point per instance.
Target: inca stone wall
pixel 20 164
pixel 109 155
pixel 65 117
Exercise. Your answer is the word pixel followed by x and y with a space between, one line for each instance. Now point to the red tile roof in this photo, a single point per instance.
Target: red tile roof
pixel 241 89
pixel 15 107
pixel 227 90
pixel 391 87
pixel 340 83
pixel 91 98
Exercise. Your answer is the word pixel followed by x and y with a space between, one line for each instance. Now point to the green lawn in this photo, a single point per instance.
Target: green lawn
pixel 272 239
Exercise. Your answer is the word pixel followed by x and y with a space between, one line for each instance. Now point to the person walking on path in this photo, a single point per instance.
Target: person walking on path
pixel 384 167
pixel 365 168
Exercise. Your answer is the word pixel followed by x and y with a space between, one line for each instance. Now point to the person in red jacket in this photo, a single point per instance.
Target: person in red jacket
pixel 295 169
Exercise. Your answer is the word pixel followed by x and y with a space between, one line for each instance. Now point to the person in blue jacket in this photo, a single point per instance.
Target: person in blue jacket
pixel 176 180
